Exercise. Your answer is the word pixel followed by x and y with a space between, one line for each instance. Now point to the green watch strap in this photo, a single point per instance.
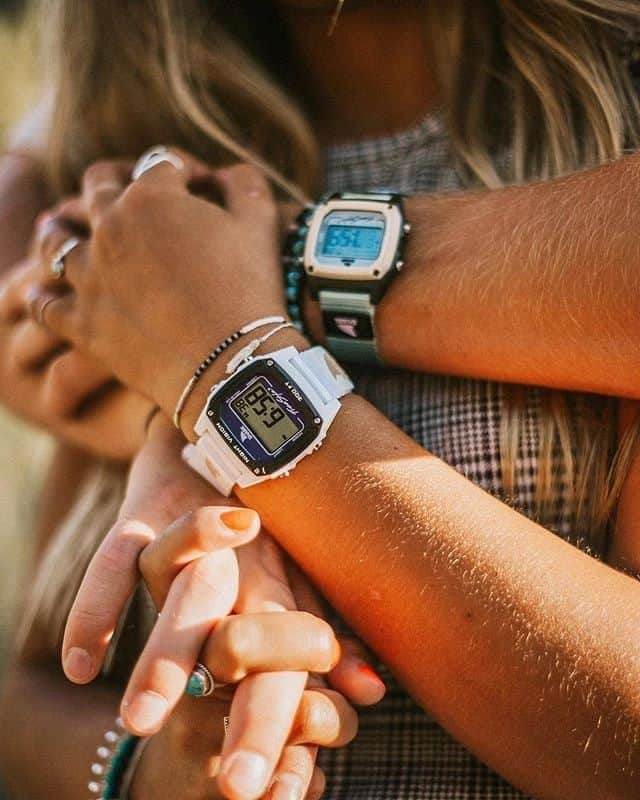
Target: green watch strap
pixel 349 320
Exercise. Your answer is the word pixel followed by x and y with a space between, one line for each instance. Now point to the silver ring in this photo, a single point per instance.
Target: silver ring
pixel 200 683
pixel 39 312
pixel 57 268
pixel 153 157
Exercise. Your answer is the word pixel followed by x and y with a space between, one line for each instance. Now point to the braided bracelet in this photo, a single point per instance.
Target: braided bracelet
pixel 208 361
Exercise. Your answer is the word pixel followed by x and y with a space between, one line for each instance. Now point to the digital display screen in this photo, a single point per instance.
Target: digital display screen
pixel 351 241
pixel 266 418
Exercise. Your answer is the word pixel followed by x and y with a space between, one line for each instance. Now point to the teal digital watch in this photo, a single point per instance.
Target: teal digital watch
pixel 347 248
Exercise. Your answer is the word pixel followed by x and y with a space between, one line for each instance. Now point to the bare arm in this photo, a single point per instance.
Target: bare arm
pixel 520 645
pixel 524 647
pixel 535 284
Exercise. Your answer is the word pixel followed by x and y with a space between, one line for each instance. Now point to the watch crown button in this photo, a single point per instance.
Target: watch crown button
pixel 399 265
pixel 406 227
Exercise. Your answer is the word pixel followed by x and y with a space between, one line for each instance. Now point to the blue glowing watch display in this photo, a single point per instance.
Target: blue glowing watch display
pixel 352 238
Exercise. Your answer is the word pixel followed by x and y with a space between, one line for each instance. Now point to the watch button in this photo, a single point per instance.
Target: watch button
pixel 406 228
pixel 399 265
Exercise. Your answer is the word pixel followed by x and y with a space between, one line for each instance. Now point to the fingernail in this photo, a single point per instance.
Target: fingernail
pixel 376 687
pixel 78 665
pixel 239 520
pixel 337 653
pixel 286 786
pixel 146 711
pixel 247 774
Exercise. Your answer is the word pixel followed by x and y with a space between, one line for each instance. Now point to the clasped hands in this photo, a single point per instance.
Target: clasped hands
pixel 156 261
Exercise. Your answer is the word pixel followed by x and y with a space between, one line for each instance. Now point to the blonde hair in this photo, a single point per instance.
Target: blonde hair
pixel 542 81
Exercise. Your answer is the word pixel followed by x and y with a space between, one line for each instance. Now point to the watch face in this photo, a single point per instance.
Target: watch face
pixel 263 417
pixel 351 238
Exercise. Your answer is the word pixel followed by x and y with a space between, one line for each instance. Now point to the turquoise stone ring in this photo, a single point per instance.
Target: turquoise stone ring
pixel 200 683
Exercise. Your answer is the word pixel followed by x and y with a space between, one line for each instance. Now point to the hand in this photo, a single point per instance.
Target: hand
pixel 164 275
pixel 183 759
pixel 194 581
pixel 59 388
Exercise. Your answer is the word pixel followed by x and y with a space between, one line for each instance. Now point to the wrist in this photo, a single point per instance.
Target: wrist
pixel 217 372
pixel 172 380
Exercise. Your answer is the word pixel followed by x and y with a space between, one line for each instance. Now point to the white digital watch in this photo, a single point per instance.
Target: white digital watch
pixel 266 417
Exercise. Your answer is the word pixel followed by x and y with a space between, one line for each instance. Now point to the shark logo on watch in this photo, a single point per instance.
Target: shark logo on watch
pixel 347 325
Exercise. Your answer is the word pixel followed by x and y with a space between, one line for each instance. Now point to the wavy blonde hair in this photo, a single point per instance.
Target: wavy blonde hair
pixel 541 80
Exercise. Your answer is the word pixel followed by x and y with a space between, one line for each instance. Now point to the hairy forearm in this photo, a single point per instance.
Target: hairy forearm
pixel 535 284
pixel 51 730
pixel 522 646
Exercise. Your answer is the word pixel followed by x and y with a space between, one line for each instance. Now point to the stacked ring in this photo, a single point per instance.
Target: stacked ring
pixel 200 683
pixel 57 262
pixel 153 157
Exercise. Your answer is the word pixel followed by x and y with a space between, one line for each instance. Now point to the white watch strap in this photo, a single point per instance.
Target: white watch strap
pixel 211 458
pixel 318 365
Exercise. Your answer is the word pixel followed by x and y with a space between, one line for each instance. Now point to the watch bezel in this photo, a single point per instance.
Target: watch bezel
pixel 378 269
pixel 299 403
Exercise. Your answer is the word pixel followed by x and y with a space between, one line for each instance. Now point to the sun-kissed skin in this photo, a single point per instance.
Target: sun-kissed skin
pixel 486 597
pixel 545 607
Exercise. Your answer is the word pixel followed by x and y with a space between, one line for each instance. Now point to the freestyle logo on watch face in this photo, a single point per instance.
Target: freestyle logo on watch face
pixel 263 418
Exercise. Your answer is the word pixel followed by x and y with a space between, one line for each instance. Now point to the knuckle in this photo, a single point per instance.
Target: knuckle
pixel 202 522
pixel 59 395
pixel 86 617
pixel 323 637
pixel 121 551
pixel 212 574
pixel 94 171
pixel 147 564
pixel 327 719
pixel 236 639
pixel 107 229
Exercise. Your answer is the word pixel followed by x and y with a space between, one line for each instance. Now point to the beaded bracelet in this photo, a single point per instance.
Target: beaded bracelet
pixel 208 361
pixel 114 758
pixel 293 265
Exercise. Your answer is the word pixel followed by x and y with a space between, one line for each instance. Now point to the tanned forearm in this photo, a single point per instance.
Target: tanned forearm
pixel 522 646
pixel 50 732
pixel 535 284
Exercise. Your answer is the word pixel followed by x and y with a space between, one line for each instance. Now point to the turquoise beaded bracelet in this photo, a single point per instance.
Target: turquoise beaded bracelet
pixel 115 756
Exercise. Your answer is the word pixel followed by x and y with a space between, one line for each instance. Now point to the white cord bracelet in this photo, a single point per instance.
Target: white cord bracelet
pixel 248 350
pixel 208 361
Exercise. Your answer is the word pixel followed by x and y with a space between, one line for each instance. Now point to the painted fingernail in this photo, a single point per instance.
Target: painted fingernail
pixel 376 688
pixel 146 711
pixel 247 774
pixel 78 665
pixel 239 520
pixel 286 786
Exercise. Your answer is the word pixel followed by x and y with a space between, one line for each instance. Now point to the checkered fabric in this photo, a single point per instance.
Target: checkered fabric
pixel 400 753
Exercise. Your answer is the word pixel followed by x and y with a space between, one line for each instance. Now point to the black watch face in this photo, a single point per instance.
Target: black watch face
pixel 264 418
